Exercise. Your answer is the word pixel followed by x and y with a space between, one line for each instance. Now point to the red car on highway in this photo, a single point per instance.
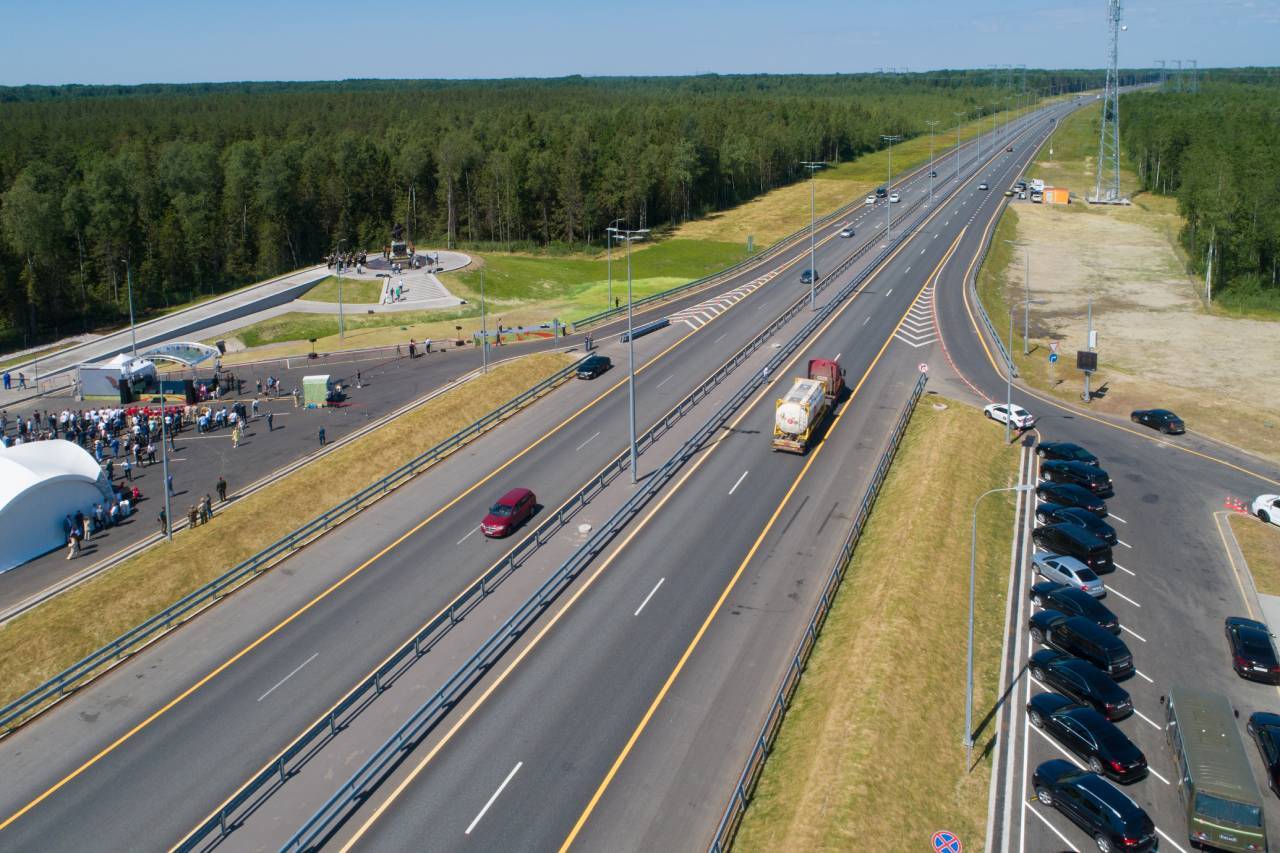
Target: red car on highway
pixel 511 510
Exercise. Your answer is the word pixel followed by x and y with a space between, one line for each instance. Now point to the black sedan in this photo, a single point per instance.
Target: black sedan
pixel 1114 821
pixel 1090 477
pixel 1082 681
pixel 593 366
pixel 1073 602
pixel 1089 735
pixel 1159 419
pixel 1264 728
pixel 1065 451
pixel 1252 654
pixel 1069 494
pixel 1059 514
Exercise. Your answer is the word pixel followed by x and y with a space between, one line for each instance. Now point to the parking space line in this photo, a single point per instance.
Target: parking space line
pixel 1026 806
pixel 1117 518
pixel 1157 775
pixel 1176 845
pixel 1123 569
pixel 1142 675
pixel 1148 720
pixel 1124 543
pixel 1135 633
pixel 1115 591
pixel 1058 747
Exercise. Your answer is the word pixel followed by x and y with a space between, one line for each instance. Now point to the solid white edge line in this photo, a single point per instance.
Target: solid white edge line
pixel 739 483
pixel 290 675
pixel 1135 633
pixel 1147 719
pixel 649 596
pixel 585 443
pixel 472 826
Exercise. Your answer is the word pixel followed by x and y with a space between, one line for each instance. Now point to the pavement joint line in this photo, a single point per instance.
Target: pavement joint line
pixel 649 596
pixel 501 787
pixel 589 581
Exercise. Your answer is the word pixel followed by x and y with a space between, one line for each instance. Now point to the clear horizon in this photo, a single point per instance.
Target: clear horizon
pixel 141 41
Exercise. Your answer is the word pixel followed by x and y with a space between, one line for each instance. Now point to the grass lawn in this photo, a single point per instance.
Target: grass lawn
pixel 780 212
pixel 46 640
pixel 357 291
pixel 23 359
pixel 1261 546
pixel 866 752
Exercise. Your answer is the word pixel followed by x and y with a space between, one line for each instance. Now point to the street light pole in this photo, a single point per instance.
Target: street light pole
pixel 164 466
pixel 973 552
pixel 958 117
pixel 1026 296
pixel 337 260
pixel 888 205
pixel 1008 389
pixel 812 166
pixel 484 329
pixel 128 279
pixel 932 124
pixel 608 237
pixel 629 236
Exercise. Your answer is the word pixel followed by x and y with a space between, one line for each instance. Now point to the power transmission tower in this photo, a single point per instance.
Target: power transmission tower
pixel 1193 80
pixel 1177 78
pixel 1164 73
pixel 1107 188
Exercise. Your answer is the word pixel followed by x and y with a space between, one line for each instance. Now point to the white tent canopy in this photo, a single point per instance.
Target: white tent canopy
pixel 41 482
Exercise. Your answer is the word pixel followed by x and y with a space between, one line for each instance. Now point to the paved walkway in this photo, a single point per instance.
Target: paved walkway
pixel 423 291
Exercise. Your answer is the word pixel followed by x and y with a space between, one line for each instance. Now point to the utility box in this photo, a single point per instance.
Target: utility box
pixel 317 391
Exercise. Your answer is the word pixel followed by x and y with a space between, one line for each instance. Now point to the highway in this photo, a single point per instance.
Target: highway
pixel 211 703
pixel 625 722
pixel 1174 585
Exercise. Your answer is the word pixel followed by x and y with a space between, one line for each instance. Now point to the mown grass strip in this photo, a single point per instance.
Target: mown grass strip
pixel 1260 544
pixel 872 745
pixel 46 640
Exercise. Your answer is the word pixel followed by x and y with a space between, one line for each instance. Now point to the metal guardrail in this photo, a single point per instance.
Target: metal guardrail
pixel 972 285
pixel 176 613
pixel 742 792
pixel 644 329
pixel 424 719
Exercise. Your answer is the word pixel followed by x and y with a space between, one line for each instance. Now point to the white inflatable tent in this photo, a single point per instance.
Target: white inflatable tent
pixel 41 482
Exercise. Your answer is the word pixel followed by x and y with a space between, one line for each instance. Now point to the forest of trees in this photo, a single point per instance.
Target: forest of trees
pixel 1217 150
pixel 204 187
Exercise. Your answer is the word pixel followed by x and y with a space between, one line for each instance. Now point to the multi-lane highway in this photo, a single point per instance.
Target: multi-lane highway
pixel 141 755
pixel 1174 585
pixel 625 722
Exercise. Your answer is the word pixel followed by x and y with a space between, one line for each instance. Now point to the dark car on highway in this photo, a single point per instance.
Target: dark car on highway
pixel 1070 540
pixel 1073 602
pixel 1102 810
pixel 512 509
pixel 1089 735
pixel 808 277
pixel 1091 477
pixel 1264 728
pixel 1252 654
pixel 1082 638
pixel 1069 494
pixel 1065 450
pixel 593 366
pixel 1082 681
pixel 1159 419
pixel 881 192
pixel 1059 514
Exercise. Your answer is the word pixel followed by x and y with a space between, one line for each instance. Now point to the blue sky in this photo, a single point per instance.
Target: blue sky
pixel 135 41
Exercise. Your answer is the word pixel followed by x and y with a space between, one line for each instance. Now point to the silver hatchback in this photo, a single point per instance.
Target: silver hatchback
pixel 1068 570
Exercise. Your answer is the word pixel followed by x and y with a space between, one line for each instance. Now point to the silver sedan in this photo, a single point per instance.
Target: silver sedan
pixel 1068 570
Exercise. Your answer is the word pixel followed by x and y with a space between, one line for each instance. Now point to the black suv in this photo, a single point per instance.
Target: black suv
pixel 1089 735
pixel 881 192
pixel 1091 477
pixel 1070 540
pixel 593 366
pixel 1114 821
pixel 1082 681
pixel 1049 513
pixel 1082 638
pixel 1159 419
pixel 1074 602
pixel 1069 494
pixel 1065 450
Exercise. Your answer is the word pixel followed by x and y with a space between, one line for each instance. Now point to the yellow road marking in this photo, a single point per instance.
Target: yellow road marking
pixel 733 581
pixel 589 581
pixel 107 750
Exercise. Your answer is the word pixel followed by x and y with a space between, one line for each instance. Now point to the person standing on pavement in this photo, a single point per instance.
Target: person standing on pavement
pixel 128 469
pixel 322 436
pixel 73 543
pixel 164 522
pixel 207 506
pixel 169 483
pixel 221 488
pixel 270 422
pixel 8 381
pixel 192 519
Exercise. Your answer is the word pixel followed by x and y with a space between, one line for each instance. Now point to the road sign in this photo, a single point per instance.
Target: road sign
pixel 924 368
pixel 1053 346
pixel 946 842
pixel 1053 358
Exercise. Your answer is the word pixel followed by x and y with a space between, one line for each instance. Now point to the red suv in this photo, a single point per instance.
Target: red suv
pixel 511 510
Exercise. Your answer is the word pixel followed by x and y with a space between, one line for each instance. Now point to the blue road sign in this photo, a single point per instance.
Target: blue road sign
pixel 1053 358
pixel 946 842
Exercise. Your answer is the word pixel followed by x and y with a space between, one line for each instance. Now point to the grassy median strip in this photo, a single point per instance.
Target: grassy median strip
pixel 870 755
pixel 1260 544
pixel 46 640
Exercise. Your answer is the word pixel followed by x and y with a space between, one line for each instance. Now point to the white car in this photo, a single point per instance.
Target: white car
pixel 1267 508
pixel 1013 415
pixel 847 231
pixel 1068 570
pixel 894 198
pixel 871 199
